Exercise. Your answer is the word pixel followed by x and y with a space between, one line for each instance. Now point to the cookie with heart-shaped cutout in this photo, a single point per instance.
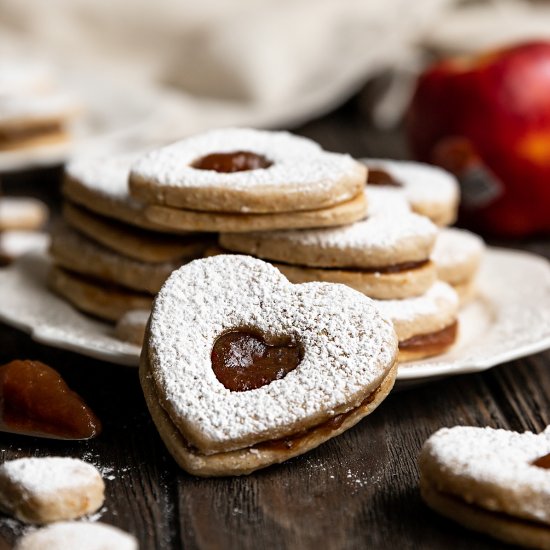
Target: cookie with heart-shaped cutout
pixel 246 171
pixel 242 369
pixel 48 489
pixel 385 256
pixel 429 190
pixel 493 481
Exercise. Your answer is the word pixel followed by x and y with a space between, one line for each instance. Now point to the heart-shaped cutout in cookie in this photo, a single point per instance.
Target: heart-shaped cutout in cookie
pixel 36 401
pixel 495 481
pixel 377 176
pixel 341 347
pixel 244 361
pixel 235 161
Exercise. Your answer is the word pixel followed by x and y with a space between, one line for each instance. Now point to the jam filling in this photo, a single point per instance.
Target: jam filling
pixel 290 442
pixel 36 401
pixel 441 338
pixel 242 360
pixel 236 161
pixel 376 176
pixel 543 462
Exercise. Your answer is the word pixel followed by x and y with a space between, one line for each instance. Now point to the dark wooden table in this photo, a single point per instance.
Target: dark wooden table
pixel 356 491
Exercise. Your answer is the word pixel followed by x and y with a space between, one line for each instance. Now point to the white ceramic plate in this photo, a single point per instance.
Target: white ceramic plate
pixel 510 318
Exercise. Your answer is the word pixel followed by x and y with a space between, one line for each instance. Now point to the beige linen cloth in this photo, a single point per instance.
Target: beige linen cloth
pixel 266 63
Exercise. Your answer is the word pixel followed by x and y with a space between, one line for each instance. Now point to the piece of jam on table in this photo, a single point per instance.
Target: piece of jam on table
pixel 36 401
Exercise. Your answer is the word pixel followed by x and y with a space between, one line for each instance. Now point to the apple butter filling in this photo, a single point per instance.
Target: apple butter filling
pixel 236 161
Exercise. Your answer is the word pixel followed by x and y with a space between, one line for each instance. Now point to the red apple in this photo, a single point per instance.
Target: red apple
pixel 487 119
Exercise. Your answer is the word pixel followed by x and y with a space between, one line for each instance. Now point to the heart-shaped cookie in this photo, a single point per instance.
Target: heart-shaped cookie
pixel 493 481
pixel 343 351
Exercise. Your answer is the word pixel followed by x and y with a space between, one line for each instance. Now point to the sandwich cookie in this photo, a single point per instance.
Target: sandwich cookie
pixel 79 254
pixel 133 242
pixel 242 179
pixel 43 490
pixel 457 255
pixel 34 120
pixel 99 298
pixel 430 191
pixel 100 185
pixel 496 482
pixel 426 325
pixel 131 326
pixel 384 256
pixel 265 370
pixel 22 213
pixel 77 535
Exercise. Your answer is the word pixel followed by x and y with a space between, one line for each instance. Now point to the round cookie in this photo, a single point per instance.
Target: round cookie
pixel 131 326
pixel 178 220
pixel 101 185
pixel 493 481
pixel 79 254
pixel 430 191
pixel 22 213
pixel 425 325
pixel 383 256
pixel 108 302
pixel 139 244
pixel 77 535
pixel 457 255
pixel 241 170
pixel 31 120
pixel 44 490
pixel 224 410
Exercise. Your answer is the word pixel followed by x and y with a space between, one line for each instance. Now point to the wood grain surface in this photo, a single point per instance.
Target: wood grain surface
pixel 359 490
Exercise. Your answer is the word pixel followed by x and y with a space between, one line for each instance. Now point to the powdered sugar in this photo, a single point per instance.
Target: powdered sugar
pixel 456 246
pixel 433 310
pixel 107 176
pixel 29 107
pixel 16 243
pixel 421 182
pixel 348 347
pixel 485 460
pixel 19 76
pixel 81 535
pixel 297 162
pixel 384 238
pixel 48 475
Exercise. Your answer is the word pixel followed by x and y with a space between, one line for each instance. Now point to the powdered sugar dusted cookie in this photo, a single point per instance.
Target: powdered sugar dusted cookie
pixel 457 255
pixel 75 252
pixel 240 170
pixel 493 481
pixel 30 120
pixel 131 326
pixel 426 325
pixel 22 213
pixel 431 191
pixel 174 219
pixel 101 186
pixel 78 535
pixel 133 242
pixel 384 256
pixel 264 370
pixel 42 490
pixel 104 300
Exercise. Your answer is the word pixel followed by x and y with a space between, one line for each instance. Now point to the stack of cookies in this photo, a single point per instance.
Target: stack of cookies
pixel 109 258
pixel 132 220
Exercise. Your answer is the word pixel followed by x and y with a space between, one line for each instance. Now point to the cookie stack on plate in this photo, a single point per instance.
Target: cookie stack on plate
pixel 109 258
pixel 132 220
